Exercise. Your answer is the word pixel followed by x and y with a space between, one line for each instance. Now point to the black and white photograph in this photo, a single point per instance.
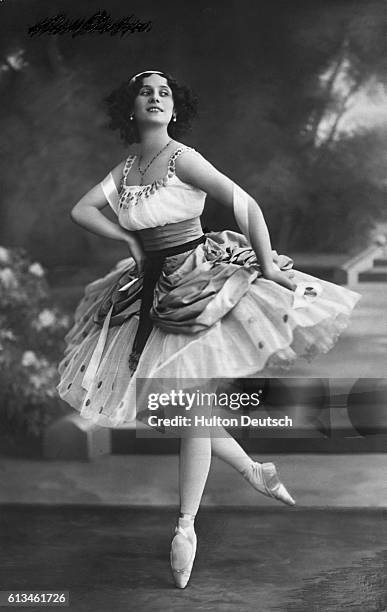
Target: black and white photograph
pixel 193 292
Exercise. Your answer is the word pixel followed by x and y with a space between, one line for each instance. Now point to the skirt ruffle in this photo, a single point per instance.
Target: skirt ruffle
pixel 215 317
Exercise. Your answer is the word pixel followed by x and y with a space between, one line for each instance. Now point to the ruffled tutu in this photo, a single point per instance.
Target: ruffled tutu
pixel 214 316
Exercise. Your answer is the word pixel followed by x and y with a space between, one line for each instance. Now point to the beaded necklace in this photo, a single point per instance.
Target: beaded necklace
pixel 142 172
pixel 131 195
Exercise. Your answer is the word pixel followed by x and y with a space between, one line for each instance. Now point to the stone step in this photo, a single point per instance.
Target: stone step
pixel 377 274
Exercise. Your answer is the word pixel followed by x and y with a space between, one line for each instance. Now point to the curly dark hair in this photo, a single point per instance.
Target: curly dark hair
pixel 119 106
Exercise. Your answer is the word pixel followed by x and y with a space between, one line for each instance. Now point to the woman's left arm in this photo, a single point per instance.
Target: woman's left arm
pixel 192 168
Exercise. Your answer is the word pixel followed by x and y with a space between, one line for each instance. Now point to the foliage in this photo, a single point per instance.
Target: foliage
pixel 31 341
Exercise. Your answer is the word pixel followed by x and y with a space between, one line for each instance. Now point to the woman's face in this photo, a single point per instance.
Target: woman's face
pixel 154 102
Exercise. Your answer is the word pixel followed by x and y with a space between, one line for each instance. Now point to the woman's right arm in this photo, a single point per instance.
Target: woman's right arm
pixel 87 213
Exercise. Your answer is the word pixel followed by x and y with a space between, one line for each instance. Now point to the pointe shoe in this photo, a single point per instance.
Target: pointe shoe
pixel 264 478
pixel 182 575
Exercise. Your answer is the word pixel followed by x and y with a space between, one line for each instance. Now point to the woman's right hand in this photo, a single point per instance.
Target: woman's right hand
pixel 137 252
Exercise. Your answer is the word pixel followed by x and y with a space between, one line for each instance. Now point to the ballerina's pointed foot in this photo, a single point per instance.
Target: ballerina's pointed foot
pixel 265 479
pixel 183 551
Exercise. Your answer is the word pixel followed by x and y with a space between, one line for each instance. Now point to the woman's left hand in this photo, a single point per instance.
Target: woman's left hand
pixel 282 278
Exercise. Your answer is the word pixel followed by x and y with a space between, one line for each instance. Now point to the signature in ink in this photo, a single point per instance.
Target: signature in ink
pixel 100 22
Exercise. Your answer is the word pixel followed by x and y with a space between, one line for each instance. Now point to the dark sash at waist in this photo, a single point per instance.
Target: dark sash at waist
pixel 161 254
pixel 170 235
pixel 153 267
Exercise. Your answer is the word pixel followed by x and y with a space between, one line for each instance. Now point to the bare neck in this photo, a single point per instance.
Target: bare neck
pixel 152 140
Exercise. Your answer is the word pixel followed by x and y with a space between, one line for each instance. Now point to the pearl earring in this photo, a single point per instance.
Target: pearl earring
pixel 174 118
pixel 131 117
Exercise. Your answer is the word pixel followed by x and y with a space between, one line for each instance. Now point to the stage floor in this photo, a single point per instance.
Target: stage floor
pixel 283 560
pixel 314 480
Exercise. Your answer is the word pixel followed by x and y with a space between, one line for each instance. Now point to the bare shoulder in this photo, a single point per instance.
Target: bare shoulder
pixel 196 170
pixel 190 163
pixel 193 168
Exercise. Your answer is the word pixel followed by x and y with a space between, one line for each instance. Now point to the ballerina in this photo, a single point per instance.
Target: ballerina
pixel 184 305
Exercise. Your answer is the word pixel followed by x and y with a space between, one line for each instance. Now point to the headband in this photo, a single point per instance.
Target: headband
pixel 144 72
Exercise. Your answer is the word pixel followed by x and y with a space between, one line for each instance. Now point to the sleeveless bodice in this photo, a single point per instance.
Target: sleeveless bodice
pixel 165 201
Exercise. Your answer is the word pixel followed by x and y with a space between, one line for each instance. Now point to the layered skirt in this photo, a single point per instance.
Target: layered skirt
pixel 212 316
